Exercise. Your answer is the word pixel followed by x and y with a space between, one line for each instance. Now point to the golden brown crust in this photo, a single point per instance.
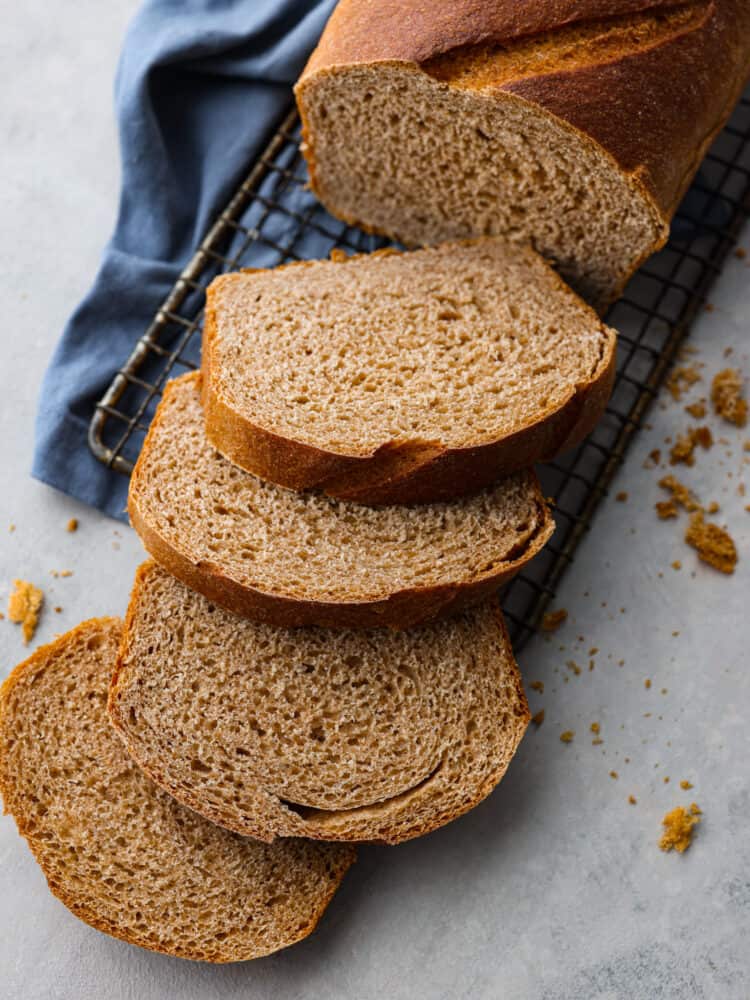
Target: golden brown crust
pixel 409 473
pixel 654 111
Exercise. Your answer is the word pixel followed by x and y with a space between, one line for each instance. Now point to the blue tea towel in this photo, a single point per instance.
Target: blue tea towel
pixel 200 87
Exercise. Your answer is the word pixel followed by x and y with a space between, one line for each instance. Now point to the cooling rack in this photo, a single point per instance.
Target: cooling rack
pixel 273 218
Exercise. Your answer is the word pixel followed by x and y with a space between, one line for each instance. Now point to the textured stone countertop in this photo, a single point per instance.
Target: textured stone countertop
pixel 554 887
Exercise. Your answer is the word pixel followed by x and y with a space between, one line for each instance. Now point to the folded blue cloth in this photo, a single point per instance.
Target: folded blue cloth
pixel 200 87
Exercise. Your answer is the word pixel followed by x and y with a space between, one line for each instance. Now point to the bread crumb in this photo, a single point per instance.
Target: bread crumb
pixel 664 691
pixel 654 457
pixel 72 524
pixel 61 573
pixel 678 828
pixel 24 605
pixel 713 545
pixel 676 565
pixel 567 736
pixel 713 508
pixel 683 451
pixel 614 774
pixel 537 686
pixel 595 727
pixel 647 683
pixel 681 379
pixel 666 509
pixel 597 742
pixel 740 253
pixel 573 667
pixel 726 396
pixel 632 800
pixel 697 410
pixel 622 496
pixel 11 528
pixel 554 619
pixel 665 779
pixel 685 785
pixel 681 495
pixel 538 719
pixel 58 609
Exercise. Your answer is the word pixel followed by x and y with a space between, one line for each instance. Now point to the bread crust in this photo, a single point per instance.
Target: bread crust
pixel 340 863
pixel 363 824
pixel 413 472
pixel 653 112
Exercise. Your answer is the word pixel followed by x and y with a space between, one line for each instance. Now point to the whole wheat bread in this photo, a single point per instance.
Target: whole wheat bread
pixel 118 851
pixel 345 735
pixel 304 559
pixel 402 377
pixel 576 124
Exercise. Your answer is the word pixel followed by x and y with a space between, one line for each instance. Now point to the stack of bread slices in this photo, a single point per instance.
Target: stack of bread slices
pixel 315 656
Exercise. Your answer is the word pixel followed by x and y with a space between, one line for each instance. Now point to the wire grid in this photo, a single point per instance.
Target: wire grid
pixel 273 218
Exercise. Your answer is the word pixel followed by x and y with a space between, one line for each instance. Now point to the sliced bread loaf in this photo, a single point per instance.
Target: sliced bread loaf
pixel 575 124
pixel 305 559
pixel 118 851
pixel 402 377
pixel 342 735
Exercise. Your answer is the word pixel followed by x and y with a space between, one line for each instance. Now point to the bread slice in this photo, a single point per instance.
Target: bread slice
pixel 346 735
pixel 304 559
pixel 575 125
pixel 402 377
pixel 118 851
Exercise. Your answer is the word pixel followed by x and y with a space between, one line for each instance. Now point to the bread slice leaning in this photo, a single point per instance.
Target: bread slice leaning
pixel 118 851
pixel 402 377
pixel 378 736
pixel 304 559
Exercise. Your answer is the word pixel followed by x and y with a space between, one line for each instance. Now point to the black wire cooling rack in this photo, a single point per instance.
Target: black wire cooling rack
pixel 273 218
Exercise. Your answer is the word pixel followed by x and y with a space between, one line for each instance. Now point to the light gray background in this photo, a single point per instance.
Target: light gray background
pixel 554 887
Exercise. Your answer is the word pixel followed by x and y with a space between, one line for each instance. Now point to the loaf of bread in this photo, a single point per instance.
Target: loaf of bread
pixel 576 124
pixel 304 559
pixel 402 377
pixel 123 855
pixel 345 735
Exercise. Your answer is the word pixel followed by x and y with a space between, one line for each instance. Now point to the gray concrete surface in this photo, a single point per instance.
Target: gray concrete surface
pixel 554 887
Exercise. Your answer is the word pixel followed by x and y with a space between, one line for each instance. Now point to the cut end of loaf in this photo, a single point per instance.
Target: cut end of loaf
pixel 332 735
pixel 426 155
pixel 117 850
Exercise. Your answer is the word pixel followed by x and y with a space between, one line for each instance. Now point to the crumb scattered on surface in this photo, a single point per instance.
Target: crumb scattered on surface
pixel 537 686
pixel 713 544
pixel 678 828
pixel 685 785
pixel 665 779
pixel 11 528
pixel 538 719
pixel 573 667
pixel 676 565
pixel 697 410
pixel 666 509
pixel 614 774
pixel 61 573
pixel 713 508
pixel 595 727
pixel 567 736
pixel 681 379
pixel 740 253
pixel 72 524
pixel 680 493
pixel 622 496
pixel 58 609
pixel 632 800
pixel 727 399
pixel 24 605
pixel 554 619
pixel 683 450
pixel 647 683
